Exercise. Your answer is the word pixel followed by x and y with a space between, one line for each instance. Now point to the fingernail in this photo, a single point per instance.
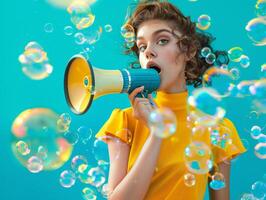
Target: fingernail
pixel 142 87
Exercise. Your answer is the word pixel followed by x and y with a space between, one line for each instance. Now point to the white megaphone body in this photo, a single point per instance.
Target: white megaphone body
pixel 84 83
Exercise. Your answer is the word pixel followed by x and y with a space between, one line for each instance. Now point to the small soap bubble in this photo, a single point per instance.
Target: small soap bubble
pixel 88 194
pixel 204 22
pixel 235 54
pixel 210 58
pixel 68 30
pixel 255 132
pixel 85 134
pixel 77 161
pixel 22 148
pixel 98 176
pixel 205 51
pixel 35 164
pixel 235 73
pixel 108 28
pixel 218 181
pixel 48 27
pixel 244 61
pixel 189 179
pixel 260 150
pixel 258 189
pixel 67 179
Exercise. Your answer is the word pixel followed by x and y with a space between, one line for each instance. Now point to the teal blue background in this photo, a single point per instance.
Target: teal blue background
pixel 23 21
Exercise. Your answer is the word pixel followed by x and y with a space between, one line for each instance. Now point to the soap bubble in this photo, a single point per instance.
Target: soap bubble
pixel 258 189
pixel 108 28
pixel 255 132
pixel 68 30
pixel 34 62
pixel 48 27
pixel 219 79
pixel 88 194
pixel 98 176
pixel 204 22
pixel 35 164
pixel 244 61
pixel 22 148
pixel 162 122
pixel 198 158
pixel 105 191
pixel 100 148
pixel 205 106
pixel 81 14
pixel 258 90
pixel 218 181
pixel 243 88
pixel 77 162
pixel 67 178
pixel 189 179
pixel 128 33
pixel 37 127
pixel 235 73
pixel 85 134
pixel 256 31
pixel 221 137
pixel 205 51
pixel 261 8
pixel 235 54
pixel 210 58
pixel 79 38
pixel 260 150
pixel 263 70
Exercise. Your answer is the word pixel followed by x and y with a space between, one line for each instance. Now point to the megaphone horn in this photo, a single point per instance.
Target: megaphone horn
pixel 84 83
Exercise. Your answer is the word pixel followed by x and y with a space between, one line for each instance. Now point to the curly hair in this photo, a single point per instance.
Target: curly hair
pixel 192 39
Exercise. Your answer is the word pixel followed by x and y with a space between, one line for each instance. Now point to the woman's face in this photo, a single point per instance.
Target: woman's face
pixel 158 46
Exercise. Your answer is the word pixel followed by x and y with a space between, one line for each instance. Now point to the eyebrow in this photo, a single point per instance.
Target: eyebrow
pixel 156 33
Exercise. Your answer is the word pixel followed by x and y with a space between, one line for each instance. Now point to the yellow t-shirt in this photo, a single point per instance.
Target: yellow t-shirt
pixel 168 179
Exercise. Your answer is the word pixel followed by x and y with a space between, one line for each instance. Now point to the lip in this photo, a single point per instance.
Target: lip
pixel 151 63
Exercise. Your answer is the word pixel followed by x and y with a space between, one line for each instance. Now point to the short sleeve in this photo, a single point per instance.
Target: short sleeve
pixel 234 146
pixel 116 126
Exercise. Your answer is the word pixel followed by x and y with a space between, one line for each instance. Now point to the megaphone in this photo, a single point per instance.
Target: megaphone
pixel 84 83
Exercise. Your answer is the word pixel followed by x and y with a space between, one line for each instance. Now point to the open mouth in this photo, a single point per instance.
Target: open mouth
pixel 156 68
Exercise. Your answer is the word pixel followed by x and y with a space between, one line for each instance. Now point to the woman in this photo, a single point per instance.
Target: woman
pixel 148 166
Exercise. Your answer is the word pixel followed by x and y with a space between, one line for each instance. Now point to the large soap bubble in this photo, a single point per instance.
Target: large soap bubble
pixel 35 137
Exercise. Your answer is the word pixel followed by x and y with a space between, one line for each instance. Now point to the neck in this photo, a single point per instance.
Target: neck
pixel 178 87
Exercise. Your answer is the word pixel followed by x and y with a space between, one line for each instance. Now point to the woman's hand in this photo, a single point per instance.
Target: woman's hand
pixel 142 107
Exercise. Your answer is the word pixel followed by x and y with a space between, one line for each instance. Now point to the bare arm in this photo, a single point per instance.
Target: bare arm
pixel 222 194
pixel 135 184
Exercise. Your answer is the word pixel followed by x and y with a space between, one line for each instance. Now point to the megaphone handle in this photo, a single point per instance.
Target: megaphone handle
pixel 144 94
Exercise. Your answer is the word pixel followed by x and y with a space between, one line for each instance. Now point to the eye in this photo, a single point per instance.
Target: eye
pixel 142 48
pixel 163 41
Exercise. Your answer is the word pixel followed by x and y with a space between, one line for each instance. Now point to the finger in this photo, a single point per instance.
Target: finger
pixel 139 101
pixel 144 107
pixel 152 102
pixel 134 93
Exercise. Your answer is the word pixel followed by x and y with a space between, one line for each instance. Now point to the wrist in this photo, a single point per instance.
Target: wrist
pixel 154 137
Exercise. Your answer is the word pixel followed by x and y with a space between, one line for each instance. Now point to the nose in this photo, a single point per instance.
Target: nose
pixel 150 52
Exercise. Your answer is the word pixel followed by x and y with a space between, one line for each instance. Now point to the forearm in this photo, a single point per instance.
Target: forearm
pixel 136 183
pixel 224 193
